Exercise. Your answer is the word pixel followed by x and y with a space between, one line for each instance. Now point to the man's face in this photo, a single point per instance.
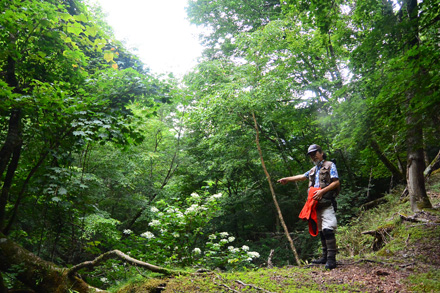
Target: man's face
pixel 316 156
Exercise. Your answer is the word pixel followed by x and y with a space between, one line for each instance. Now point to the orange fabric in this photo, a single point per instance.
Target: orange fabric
pixel 308 212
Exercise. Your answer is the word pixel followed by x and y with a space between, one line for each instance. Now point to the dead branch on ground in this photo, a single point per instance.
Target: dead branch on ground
pixel 414 219
pixel 252 286
pixel 120 255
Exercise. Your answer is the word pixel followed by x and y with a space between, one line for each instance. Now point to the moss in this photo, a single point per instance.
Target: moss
pixel 151 285
pixel 425 282
pixel 286 279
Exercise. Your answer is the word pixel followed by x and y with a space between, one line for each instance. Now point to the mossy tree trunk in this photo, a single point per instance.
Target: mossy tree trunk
pixel 36 273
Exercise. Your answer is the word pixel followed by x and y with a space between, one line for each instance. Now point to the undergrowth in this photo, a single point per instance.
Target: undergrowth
pixel 408 250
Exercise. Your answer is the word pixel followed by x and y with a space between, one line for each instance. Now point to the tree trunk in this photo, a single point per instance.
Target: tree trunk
pixel 415 158
pixel 415 167
pixel 43 276
pixel 13 142
pixel 38 274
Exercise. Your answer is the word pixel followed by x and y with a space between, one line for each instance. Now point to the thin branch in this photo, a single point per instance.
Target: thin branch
pixel 252 286
pixel 120 255
pixel 224 285
pixel 280 215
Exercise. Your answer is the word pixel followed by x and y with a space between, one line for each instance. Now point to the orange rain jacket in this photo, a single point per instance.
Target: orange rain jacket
pixel 308 212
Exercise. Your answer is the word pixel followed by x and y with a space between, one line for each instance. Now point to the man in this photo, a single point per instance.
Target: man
pixel 325 176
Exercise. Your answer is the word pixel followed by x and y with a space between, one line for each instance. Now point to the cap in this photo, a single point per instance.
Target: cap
pixel 313 148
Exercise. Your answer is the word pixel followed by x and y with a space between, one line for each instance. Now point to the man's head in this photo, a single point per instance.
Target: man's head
pixel 315 153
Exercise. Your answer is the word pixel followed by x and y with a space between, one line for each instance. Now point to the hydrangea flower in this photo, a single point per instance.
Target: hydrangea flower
pixel 191 209
pixel 233 249
pixel 245 248
pixel 214 197
pixel 224 234
pixel 253 254
pixel 147 235
pixel 154 223
pixel 197 251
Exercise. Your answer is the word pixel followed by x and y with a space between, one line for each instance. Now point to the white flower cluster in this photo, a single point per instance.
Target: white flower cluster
pixel 253 254
pixel 224 241
pixel 245 248
pixel 154 209
pixel 194 209
pixel 171 210
pixel 147 235
pixel 233 249
pixel 214 197
pixel 197 251
pixel 195 195
pixel 224 234
pixel 154 223
pixel 127 231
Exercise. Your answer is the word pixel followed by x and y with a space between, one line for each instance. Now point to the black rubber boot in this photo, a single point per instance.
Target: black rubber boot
pixel 331 249
pixel 323 259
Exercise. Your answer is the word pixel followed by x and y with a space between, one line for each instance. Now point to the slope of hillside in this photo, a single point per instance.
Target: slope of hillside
pixel 386 249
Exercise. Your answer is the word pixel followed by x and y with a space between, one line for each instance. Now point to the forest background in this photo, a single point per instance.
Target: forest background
pixel 98 153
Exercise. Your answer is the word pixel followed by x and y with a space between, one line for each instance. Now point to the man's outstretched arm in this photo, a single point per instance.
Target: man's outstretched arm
pixel 295 178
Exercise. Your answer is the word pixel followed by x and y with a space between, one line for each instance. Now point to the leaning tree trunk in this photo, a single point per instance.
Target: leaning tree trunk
pixel 36 273
pixel 280 215
pixel 397 175
pixel 43 276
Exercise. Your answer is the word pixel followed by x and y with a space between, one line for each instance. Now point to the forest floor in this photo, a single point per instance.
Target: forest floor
pixel 405 258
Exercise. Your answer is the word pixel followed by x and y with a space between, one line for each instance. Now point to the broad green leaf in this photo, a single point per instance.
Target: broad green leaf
pixel 108 56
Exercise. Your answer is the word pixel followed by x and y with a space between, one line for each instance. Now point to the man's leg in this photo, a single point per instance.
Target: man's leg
pixel 328 223
pixel 331 248
pixel 323 259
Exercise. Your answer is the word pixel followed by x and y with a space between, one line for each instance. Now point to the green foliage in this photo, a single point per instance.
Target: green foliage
pixel 225 19
pixel 100 224
pixel 220 254
pixel 425 281
pixel 107 154
pixel 176 234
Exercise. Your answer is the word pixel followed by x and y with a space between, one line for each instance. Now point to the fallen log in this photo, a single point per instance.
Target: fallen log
pixel 413 219
pixel 43 276
pixel 373 203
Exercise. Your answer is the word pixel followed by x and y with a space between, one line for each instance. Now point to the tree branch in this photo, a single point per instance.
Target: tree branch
pixel 120 255
pixel 280 215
